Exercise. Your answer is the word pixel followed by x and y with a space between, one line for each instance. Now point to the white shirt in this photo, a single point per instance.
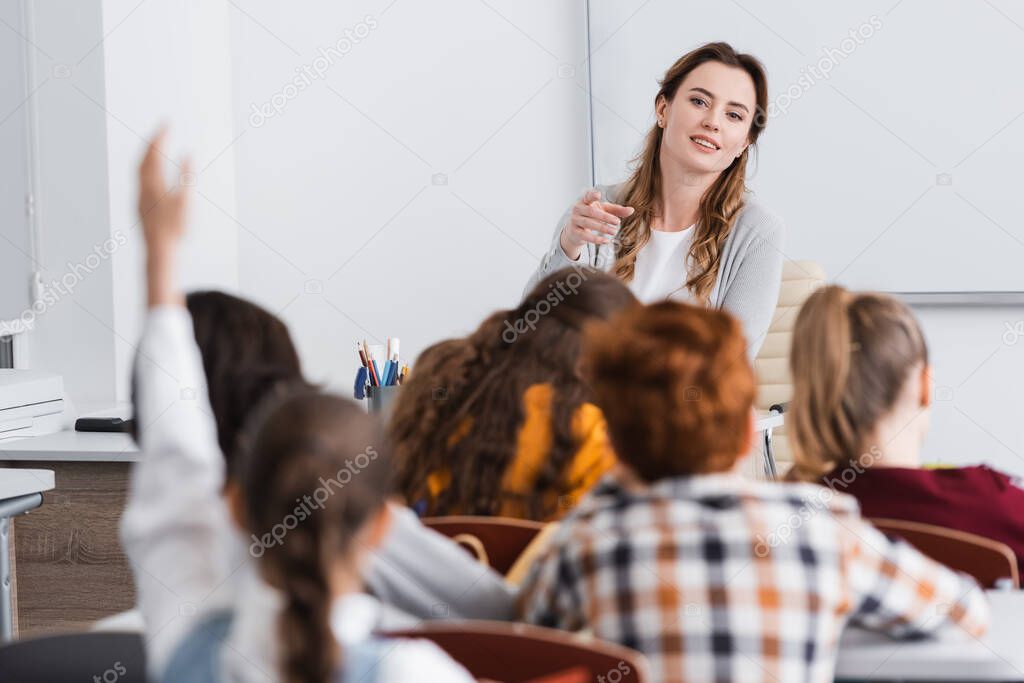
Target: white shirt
pixel 182 547
pixel 662 265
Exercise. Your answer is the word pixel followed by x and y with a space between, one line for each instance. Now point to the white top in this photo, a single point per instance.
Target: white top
pixel 661 267
pixel 180 542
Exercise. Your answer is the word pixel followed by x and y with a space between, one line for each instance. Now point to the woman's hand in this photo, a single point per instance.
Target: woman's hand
pixel 163 215
pixel 590 215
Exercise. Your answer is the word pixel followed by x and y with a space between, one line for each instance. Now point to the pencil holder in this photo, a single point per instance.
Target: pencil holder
pixel 381 400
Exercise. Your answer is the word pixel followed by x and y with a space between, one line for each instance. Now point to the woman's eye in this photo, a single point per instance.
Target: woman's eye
pixel 697 101
pixel 736 117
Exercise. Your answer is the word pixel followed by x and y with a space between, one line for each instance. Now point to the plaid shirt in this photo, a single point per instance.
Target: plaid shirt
pixel 719 578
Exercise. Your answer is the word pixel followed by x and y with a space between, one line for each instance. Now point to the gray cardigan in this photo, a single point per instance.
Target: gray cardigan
pixel 748 279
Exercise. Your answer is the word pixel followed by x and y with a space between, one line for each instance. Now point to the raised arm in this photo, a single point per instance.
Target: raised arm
pixel 175 526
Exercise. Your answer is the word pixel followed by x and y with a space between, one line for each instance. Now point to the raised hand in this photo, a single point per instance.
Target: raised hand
pixel 163 213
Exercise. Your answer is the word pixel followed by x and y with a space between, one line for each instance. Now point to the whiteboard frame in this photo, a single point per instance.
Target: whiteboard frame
pixel 32 181
pixel 1000 298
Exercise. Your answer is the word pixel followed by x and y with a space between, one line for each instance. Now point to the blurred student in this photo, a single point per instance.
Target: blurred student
pixel 712 575
pixel 301 616
pixel 500 423
pixel 862 395
pixel 248 356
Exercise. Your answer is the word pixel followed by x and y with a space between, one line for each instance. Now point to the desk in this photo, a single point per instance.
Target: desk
pixel 20 491
pixel 950 656
pixel 71 446
pixel 69 566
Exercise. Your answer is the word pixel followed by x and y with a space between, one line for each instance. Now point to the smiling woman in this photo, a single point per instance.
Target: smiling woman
pixel 683 226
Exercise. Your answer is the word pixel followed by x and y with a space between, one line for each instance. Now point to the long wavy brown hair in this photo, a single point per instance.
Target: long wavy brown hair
pixel 473 388
pixel 722 201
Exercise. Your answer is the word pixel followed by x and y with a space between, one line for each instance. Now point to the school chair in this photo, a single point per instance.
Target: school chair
pixel 988 561
pixel 516 653
pixel 577 674
pixel 775 387
pixel 495 541
pixel 74 657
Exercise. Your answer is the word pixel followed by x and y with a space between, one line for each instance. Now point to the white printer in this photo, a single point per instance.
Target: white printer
pixel 31 403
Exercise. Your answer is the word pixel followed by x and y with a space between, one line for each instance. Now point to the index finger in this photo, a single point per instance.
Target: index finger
pixel 617 209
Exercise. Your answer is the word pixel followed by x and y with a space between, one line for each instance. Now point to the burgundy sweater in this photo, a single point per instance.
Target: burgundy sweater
pixel 975 499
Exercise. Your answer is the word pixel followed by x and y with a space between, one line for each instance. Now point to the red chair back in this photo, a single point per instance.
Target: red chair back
pixel 496 541
pixel 984 559
pixel 517 653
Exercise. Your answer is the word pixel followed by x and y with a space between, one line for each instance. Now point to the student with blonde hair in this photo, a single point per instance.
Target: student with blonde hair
pixel 712 575
pixel 862 395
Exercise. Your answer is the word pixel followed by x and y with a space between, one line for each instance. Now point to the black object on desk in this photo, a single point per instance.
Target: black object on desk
pixel 103 424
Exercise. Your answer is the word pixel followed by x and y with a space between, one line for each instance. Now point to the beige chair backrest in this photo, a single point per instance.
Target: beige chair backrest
pixel 799 280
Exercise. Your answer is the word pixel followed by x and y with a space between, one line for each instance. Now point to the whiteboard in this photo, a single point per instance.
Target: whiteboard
pixel 899 170
pixel 15 230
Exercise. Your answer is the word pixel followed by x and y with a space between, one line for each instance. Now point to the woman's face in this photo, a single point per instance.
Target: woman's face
pixel 708 121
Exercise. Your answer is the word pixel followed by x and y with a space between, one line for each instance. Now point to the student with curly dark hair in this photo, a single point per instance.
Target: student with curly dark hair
pixel 499 422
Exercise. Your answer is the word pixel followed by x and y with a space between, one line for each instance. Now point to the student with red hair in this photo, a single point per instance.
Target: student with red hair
pixel 711 575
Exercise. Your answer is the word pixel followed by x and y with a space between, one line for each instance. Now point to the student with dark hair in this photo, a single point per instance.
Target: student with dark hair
pixel 248 356
pixel 499 422
pixel 714 576
pixel 247 353
pixel 313 478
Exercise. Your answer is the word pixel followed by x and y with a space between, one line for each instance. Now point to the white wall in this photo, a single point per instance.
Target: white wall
pixel 168 63
pixel 979 408
pixel 326 181
pixel 108 73
pixel 72 337
pixel 345 234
